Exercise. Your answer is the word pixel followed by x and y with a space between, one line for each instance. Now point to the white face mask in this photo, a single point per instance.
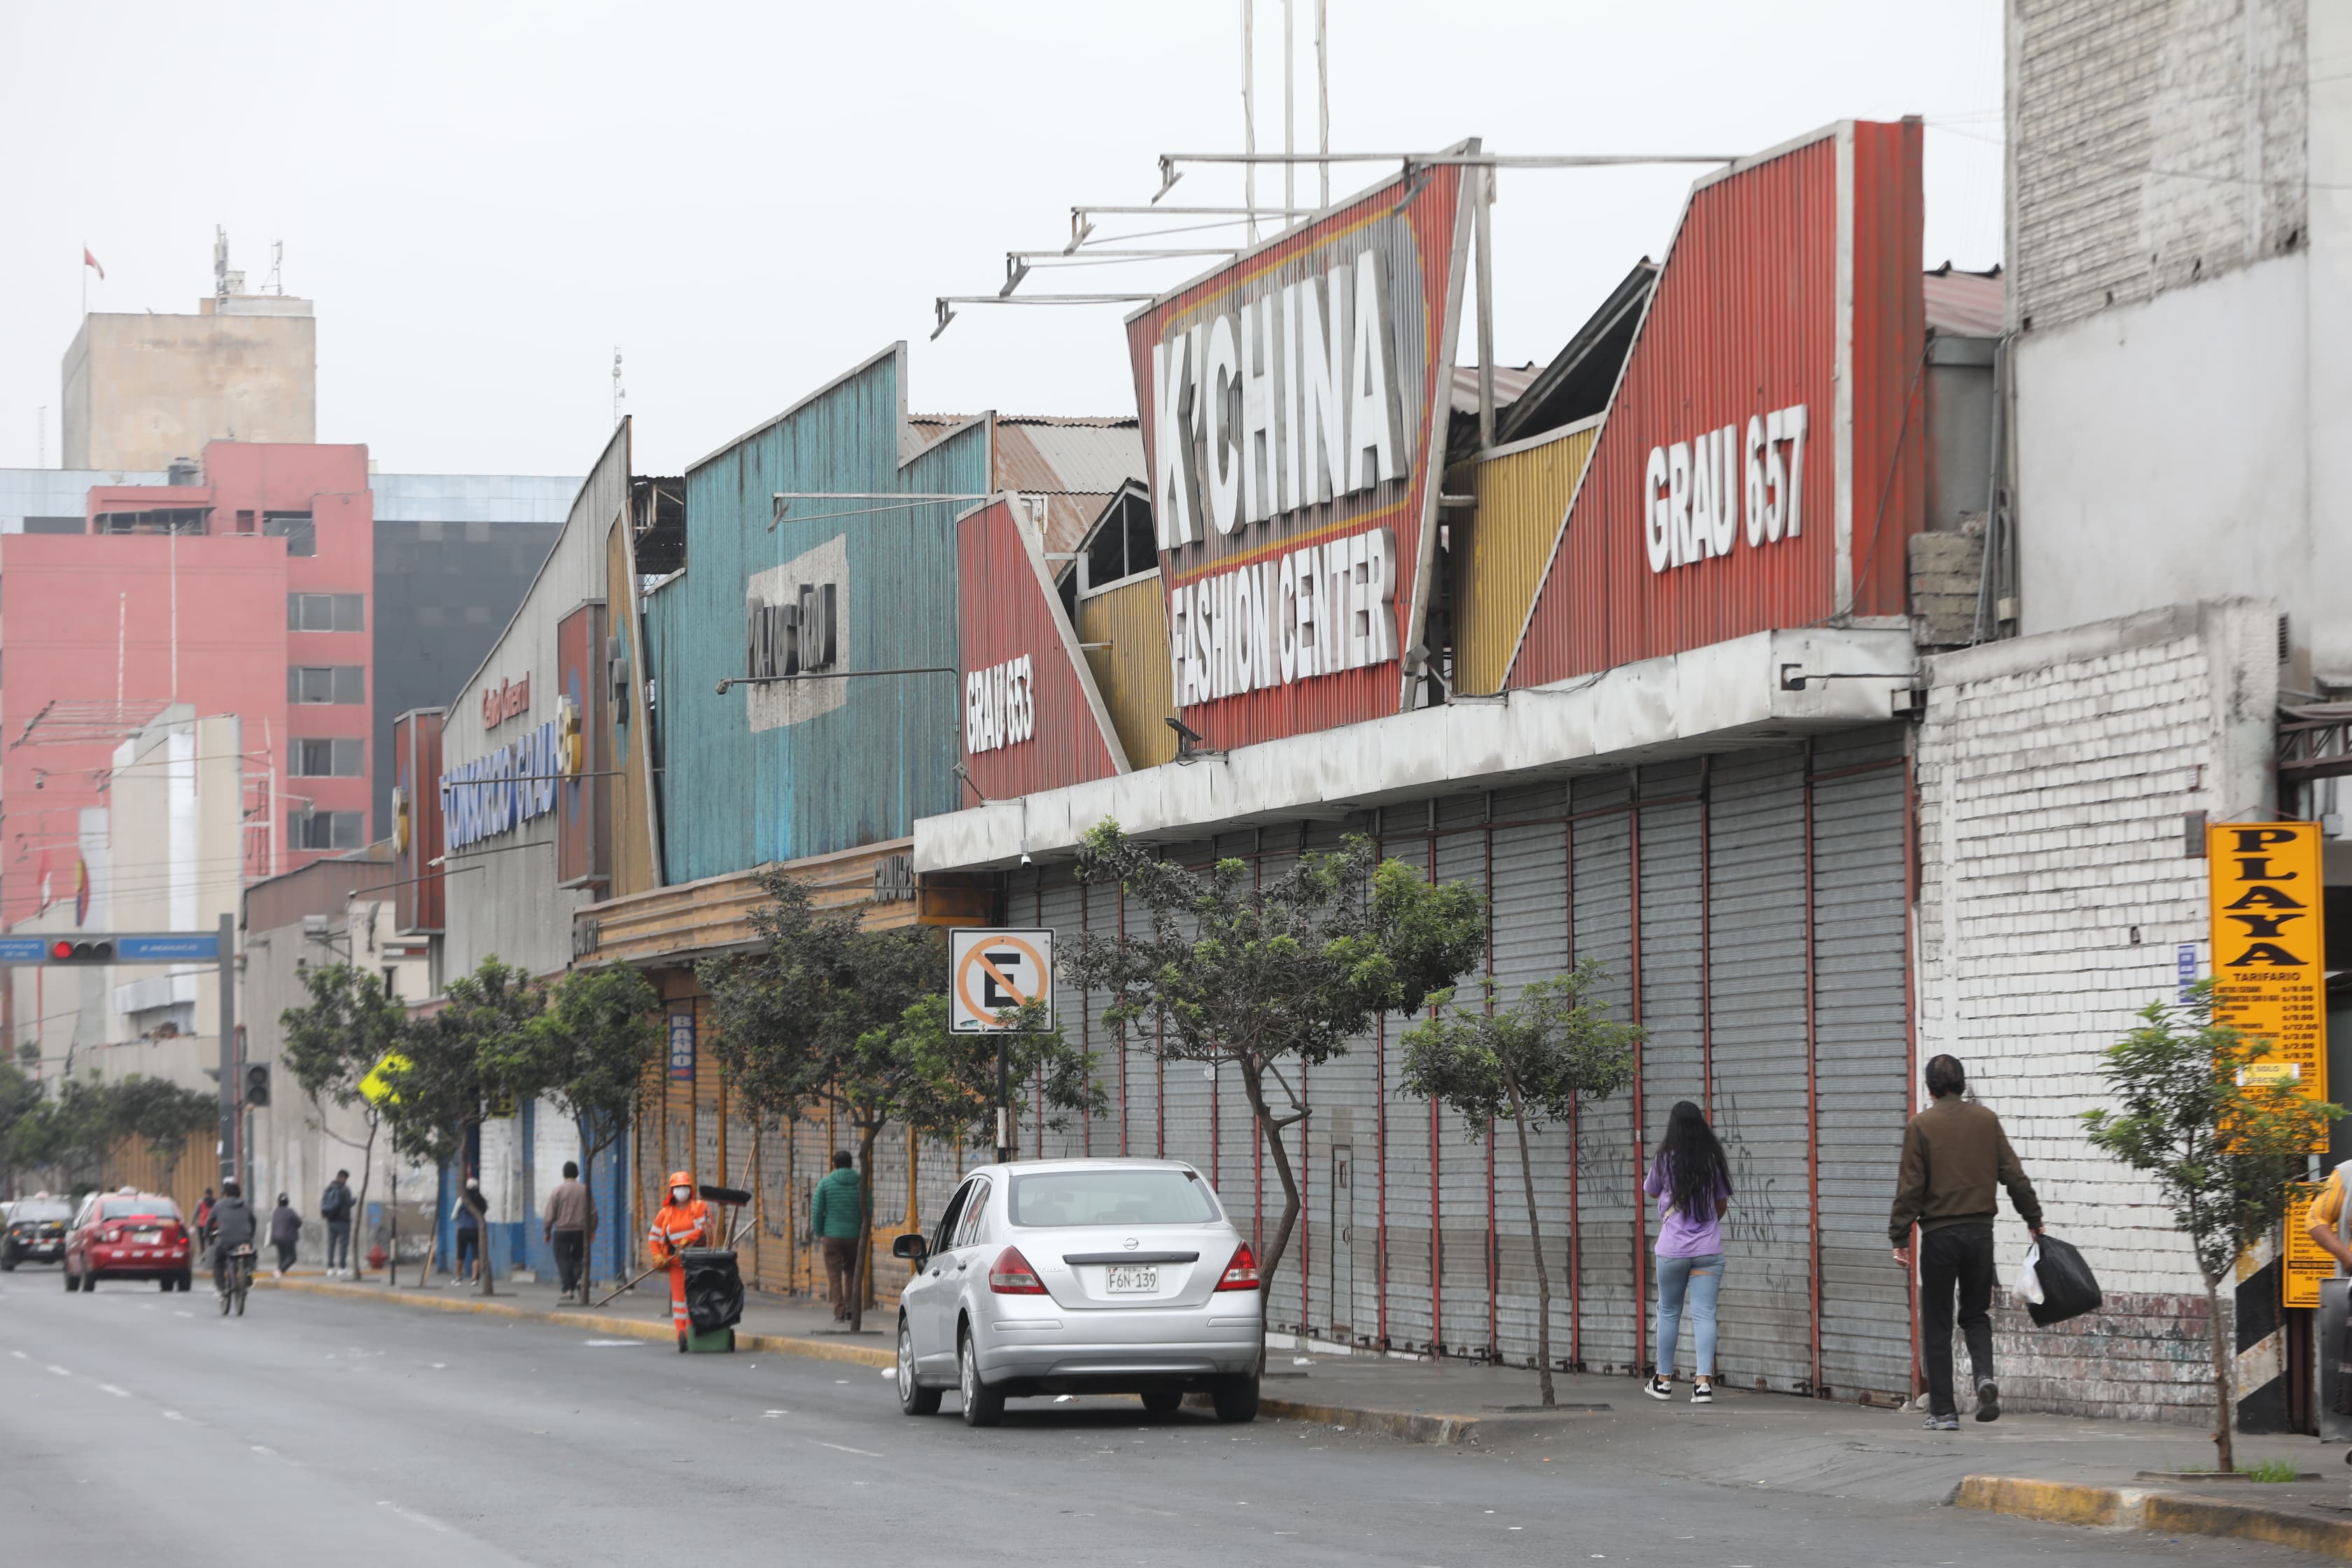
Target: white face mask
pixel 679 1194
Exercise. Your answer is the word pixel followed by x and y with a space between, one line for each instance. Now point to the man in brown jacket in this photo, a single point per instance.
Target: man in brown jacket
pixel 571 1216
pixel 1954 1156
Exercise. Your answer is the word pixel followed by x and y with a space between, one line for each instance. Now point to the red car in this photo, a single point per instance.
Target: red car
pixel 128 1235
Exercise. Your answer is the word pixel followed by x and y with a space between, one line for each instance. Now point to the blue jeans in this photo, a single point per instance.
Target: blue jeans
pixel 1689 1282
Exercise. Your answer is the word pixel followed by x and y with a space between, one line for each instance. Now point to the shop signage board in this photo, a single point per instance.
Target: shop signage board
pixel 2307 1263
pixel 681 1043
pixel 1761 465
pixel 2270 980
pixel 1295 407
pixel 991 970
pixel 1033 716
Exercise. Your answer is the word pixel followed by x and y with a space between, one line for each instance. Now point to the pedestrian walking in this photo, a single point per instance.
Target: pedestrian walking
pixel 471 1206
pixel 284 1233
pixel 1692 1181
pixel 570 1215
pixel 335 1205
pixel 681 1222
pixel 205 1221
pixel 836 1218
pixel 1954 1156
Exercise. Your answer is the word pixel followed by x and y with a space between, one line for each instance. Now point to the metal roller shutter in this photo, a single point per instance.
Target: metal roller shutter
pixel 1185 1093
pixel 1862 1062
pixel 1056 908
pixel 1756 863
pixel 1673 960
pixel 1606 1184
pixel 1464 1166
pixel 1406 1185
pixel 1531 942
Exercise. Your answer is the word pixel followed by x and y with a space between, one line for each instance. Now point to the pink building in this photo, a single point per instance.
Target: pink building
pixel 244 587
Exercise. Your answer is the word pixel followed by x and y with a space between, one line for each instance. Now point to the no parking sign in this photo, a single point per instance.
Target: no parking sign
pixel 991 970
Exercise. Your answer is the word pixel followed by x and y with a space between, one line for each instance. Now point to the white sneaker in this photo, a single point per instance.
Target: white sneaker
pixel 1659 1387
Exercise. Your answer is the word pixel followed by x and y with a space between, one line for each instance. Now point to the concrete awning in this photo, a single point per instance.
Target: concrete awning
pixel 1710 698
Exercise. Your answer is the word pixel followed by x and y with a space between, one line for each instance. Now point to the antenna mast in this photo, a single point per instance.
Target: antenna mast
pixel 618 392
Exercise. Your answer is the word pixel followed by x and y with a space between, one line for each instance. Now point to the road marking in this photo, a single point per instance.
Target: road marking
pixel 423 1518
pixel 60 1372
pixel 173 1415
pixel 109 1388
pixel 844 1447
pixel 771 1415
pixel 178 1314
pixel 20 1355
pixel 612 1344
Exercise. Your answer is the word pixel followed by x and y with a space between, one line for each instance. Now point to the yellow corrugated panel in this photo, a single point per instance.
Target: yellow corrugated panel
pixel 1133 672
pixel 1523 493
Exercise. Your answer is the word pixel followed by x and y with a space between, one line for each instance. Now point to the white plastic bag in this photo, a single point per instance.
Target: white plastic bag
pixel 2026 1284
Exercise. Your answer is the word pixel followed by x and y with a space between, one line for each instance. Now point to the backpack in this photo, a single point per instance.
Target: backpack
pixel 335 1203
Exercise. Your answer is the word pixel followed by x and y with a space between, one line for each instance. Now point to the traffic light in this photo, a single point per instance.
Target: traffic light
pixel 65 951
pixel 256 1083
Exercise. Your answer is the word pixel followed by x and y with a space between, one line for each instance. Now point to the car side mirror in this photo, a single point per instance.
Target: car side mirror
pixel 912 1246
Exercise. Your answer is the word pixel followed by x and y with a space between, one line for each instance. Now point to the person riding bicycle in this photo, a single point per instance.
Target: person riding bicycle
pixel 234 1226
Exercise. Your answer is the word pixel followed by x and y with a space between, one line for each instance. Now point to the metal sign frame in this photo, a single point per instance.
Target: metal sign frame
pixel 971 976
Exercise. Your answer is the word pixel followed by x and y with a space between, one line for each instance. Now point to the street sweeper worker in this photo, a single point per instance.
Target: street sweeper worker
pixel 683 1222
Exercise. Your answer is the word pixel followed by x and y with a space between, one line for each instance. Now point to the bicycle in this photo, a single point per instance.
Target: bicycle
pixel 235 1278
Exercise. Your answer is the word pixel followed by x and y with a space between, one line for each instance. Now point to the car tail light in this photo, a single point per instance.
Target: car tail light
pixel 1011 1275
pixel 110 1236
pixel 1240 1274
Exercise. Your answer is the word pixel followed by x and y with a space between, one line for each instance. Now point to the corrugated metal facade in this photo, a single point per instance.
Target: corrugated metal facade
pixel 1417 228
pixel 636 864
pixel 1502 549
pixel 846 762
pixel 416 842
pixel 1131 670
pixel 1012 619
pixel 1746 321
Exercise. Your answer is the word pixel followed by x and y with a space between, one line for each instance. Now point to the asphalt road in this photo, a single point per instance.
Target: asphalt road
pixel 137 1426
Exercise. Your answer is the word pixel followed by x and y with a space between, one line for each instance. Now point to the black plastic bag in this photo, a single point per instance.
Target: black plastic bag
pixel 714 1289
pixel 2069 1288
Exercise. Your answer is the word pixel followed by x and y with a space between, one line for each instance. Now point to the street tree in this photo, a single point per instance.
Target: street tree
pixel 588 1051
pixel 459 1063
pixel 66 1133
pixel 826 1016
pixel 2220 1141
pixel 161 1116
pixel 1272 976
pixel 19 1098
pixel 329 1045
pixel 1530 1062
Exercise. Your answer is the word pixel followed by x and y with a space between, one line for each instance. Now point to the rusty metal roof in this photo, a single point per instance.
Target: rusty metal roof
pixel 1510 380
pixel 1962 304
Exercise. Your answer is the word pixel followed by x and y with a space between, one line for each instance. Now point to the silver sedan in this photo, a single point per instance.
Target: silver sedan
pixel 1080 1276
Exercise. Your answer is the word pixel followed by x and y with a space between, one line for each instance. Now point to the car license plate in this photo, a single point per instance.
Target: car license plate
pixel 146 1238
pixel 1131 1279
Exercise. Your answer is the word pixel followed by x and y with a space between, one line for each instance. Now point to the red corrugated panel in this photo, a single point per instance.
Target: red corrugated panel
pixel 1008 611
pixel 419 900
pixel 1414 223
pixel 1745 322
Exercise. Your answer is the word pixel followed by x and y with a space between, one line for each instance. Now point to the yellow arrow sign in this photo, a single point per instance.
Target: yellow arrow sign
pixel 379 1085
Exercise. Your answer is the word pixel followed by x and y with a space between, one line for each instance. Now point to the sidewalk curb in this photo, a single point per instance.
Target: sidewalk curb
pixel 1409 1427
pixel 2171 1513
pixel 603 1323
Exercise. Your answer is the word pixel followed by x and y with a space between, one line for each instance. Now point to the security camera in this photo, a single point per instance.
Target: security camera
pixel 1025 857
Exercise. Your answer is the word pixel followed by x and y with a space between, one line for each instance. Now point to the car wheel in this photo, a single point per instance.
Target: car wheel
pixel 1235 1397
pixel 71 1283
pixel 1162 1400
pixel 183 1281
pixel 981 1407
pixel 914 1399
pixel 90 1282
pixel 7 1261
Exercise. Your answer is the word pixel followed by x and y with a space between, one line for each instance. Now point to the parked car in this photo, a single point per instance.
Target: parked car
pixel 1080 1276
pixel 33 1231
pixel 128 1235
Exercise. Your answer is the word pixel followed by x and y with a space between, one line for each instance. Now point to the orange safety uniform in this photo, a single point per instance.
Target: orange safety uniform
pixel 676 1226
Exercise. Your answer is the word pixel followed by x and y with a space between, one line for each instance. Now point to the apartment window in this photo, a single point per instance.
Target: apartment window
pixel 324 830
pixel 326 612
pixel 1123 543
pixel 327 759
pixel 56 525
pixel 245 519
pixel 156 520
pixel 345 683
pixel 297 529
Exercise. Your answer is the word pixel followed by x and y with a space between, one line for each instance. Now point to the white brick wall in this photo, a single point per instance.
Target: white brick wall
pixel 2053 774
pixel 2152 144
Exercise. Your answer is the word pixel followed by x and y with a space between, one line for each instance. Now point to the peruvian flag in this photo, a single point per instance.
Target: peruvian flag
pixel 92 261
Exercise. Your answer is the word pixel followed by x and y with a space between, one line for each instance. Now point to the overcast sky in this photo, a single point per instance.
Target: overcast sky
pixel 485 200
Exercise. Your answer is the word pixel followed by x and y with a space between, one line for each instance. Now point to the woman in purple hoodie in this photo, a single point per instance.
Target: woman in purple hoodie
pixel 1692 1181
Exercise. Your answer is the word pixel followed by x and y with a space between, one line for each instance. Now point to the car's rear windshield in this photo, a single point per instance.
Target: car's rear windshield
pixel 138 1208
pixel 26 1209
pixel 1111 1198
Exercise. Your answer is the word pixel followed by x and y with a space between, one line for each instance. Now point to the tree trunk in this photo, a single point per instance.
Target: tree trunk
pixel 858 1271
pixel 1254 1083
pixel 357 1260
pixel 2224 1374
pixel 588 1237
pixel 1543 1275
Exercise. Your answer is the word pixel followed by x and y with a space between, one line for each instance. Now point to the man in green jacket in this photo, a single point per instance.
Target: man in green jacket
pixel 836 1218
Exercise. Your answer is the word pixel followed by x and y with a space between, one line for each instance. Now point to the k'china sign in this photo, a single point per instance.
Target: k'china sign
pixel 1293 409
